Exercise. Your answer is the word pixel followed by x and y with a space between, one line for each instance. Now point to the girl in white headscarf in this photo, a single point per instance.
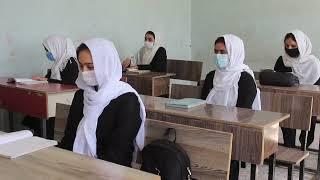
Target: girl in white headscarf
pixel 61 51
pixel 152 56
pixel 106 118
pixel 297 58
pixel 232 84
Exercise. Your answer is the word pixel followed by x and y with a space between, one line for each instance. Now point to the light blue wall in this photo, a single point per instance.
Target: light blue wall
pixel 260 23
pixel 24 24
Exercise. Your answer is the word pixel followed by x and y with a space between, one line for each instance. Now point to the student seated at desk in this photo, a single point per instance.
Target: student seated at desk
pixel 297 58
pixel 61 51
pixel 232 84
pixel 151 56
pixel 106 118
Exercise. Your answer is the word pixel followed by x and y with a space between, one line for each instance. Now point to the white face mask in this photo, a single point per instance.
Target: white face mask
pixel 148 44
pixel 89 77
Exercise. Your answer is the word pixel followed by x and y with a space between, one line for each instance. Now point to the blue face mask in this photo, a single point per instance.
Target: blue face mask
pixel 222 61
pixel 50 56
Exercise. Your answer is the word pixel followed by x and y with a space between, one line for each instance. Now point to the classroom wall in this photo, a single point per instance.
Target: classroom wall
pixel 24 24
pixel 261 24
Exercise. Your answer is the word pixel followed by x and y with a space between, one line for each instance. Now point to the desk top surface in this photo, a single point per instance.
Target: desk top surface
pixel 48 88
pixel 300 88
pixel 149 75
pixel 226 115
pixel 61 164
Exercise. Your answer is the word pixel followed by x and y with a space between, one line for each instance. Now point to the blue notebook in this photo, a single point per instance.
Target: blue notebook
pixel 186 103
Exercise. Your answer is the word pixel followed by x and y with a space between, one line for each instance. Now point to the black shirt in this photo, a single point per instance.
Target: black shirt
pixel 246 93
pixel 280 67
pixel 117 127
pixel 69 74
pixel 158 63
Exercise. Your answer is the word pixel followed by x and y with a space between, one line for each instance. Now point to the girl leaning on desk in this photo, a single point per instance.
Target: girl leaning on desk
pixel 61 51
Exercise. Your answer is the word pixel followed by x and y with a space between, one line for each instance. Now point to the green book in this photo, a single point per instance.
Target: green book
pixel 186 103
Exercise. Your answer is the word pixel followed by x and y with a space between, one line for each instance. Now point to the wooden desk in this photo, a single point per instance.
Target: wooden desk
pixel 55 163
pixel 35 100
pixel 152 84
pixel 255 133
pixel 306 90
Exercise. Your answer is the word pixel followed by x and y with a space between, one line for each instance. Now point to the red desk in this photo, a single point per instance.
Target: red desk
pixel 35 100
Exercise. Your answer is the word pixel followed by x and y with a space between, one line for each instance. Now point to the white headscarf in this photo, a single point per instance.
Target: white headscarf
pixel 225 82
pixel 62 49
pixel 306 67
pixel 108 73
pixel 145 55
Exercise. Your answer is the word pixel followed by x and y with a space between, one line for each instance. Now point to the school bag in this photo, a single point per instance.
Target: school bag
pixel 167 159
pixel 272 78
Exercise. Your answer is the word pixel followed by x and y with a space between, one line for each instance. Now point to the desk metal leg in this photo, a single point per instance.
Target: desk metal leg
pixel 253 174
pixel 272 165
pixel 44 128
pixel 11 123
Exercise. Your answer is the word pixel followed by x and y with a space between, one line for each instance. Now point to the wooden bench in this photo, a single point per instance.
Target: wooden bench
pixel 179 91
pixel 209 150
pixel 185 70
pixel 300 110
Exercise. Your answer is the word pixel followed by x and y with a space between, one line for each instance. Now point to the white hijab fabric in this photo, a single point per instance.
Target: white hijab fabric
pixel 146 55
pixel 108 72
pixel 225 82
pixel 306 67
pixel 62 49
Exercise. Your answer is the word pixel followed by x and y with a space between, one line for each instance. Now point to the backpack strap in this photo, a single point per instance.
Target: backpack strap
pixel 171 135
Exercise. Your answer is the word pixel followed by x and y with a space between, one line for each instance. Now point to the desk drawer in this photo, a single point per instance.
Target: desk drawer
pixel 24 101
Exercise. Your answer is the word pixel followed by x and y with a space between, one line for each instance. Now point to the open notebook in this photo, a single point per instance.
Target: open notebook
pixel 25 81
pixel 186 103
pixel 16 144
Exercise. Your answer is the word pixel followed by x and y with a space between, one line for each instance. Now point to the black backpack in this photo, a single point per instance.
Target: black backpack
pixel 272 78
pixel 166 159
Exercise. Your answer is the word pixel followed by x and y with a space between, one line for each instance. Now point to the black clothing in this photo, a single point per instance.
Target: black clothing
pixel 117 128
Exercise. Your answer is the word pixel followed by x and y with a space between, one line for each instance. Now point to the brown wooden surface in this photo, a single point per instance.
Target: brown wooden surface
pixel 152 83
pixel 179 91
pixel 220 114
pixel 299 107
pixel 48 88
pixel 255 133
pixel 185 70
pixel 37 100
pixel 291 155
pixel 55 163
pixel 304 90
pixel 209 151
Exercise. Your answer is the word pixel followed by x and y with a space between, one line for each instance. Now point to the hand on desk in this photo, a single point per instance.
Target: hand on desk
pixel 39 78
pixel 126 63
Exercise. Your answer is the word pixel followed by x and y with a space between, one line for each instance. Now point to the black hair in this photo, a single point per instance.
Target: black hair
pixel 151 33
pixel 82 47
pixel 220 40
pixel 288 36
